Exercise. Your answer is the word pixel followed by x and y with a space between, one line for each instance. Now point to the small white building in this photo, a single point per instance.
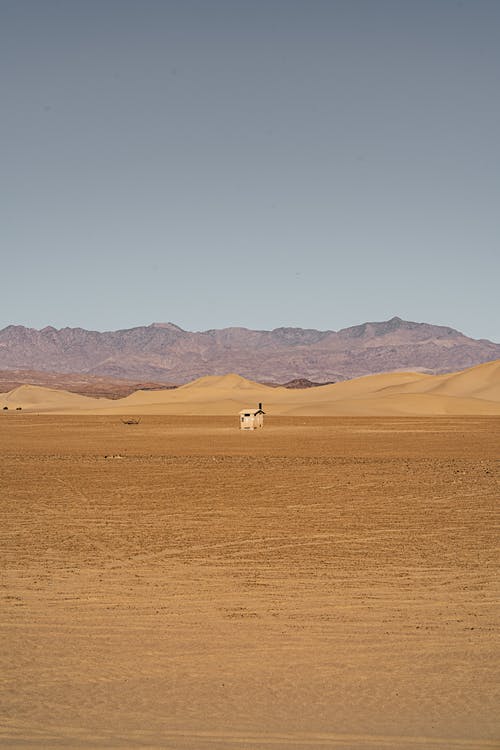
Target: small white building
pixel 251 419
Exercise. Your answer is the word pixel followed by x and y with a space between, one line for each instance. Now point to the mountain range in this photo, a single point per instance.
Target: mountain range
pixel 165 353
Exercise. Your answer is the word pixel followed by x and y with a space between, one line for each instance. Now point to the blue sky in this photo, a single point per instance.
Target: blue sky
pixel 216 163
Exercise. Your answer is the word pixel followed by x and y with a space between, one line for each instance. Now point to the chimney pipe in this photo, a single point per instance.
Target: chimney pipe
pixel 260 407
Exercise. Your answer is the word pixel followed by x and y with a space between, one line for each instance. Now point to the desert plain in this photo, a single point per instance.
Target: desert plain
pixel 327 581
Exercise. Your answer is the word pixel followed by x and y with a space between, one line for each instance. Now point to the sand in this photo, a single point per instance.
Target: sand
pixel 39 398
pixel 324 582
pixel 474 391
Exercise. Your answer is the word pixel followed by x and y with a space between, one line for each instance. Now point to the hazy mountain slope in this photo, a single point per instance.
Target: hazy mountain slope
pixel 86 385
pixel 164 352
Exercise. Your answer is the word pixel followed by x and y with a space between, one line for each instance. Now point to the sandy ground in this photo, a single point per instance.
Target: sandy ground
pixel 180 584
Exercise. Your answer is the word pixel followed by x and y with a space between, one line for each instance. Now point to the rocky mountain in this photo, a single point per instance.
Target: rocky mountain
pixel 163 352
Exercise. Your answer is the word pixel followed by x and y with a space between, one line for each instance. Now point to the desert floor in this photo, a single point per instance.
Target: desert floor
pixel 180 584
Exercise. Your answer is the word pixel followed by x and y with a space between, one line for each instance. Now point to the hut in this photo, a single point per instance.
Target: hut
pixel 252 419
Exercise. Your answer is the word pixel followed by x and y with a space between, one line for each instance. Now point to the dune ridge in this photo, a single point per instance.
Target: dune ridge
pixel 472 391
pixel 40 397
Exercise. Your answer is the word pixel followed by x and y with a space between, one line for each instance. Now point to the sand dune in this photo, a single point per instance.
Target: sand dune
pixel 482 381
pixel 472 391
pixel 230 381
pixel 39 398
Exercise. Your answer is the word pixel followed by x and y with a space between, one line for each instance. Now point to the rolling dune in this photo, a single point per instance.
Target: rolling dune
pixel 472 391
pixel 38 398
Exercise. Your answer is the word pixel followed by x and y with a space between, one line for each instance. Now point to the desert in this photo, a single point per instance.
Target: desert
pixel 249 375
pixel 472 391
pixel 328 581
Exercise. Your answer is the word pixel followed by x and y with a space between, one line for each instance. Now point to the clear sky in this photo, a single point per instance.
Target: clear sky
pixel 313 163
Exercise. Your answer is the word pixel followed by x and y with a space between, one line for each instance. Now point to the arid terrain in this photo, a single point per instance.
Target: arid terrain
pixel 85 385
pixel 323 582
pixel 475 391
